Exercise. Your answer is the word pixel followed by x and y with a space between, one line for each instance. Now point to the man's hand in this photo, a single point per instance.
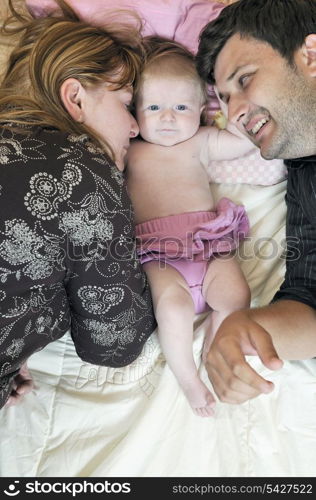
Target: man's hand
pixel 233 379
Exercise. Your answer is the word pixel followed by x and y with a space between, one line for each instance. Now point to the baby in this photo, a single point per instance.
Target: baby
pixel 185 242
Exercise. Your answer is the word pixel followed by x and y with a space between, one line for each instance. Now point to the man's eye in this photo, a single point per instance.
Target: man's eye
pixel 181 107
pixel 243 80
pixel 153 107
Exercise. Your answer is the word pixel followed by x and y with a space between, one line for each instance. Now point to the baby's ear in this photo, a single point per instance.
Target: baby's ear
pixel 309 51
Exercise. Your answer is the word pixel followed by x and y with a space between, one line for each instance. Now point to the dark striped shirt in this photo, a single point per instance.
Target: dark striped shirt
pixel 300 277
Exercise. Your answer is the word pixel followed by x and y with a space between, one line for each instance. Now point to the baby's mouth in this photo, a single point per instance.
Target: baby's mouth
pixel 167 131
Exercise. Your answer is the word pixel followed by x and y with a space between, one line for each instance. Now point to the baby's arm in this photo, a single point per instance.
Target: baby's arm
pixel 226 144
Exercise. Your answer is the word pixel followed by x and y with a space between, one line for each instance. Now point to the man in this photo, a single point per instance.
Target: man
pixel 261 54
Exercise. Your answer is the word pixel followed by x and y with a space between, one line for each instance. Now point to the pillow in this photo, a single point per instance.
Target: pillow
pixel 181 20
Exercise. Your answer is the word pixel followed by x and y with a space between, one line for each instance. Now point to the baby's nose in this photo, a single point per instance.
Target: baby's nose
pixel 168 114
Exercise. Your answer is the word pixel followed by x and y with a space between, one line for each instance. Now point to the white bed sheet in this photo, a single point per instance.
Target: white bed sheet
pixel 85 420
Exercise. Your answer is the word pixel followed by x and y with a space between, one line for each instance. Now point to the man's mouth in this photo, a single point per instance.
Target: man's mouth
pixel 253 126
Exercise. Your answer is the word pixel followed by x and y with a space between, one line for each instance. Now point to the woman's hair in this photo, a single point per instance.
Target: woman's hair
pixel 283 24
pixel 52 49
pixel 167 58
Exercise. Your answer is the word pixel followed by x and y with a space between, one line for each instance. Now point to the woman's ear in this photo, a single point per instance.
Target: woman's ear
pixel 71 93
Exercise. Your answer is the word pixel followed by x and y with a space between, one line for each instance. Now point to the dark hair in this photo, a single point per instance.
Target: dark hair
pixel 283 24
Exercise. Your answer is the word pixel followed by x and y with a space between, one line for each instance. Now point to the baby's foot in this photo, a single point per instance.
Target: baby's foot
pixel 200 398
pixel 23 384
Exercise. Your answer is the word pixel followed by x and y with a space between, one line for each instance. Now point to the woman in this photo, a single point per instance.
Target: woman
pixel 67 256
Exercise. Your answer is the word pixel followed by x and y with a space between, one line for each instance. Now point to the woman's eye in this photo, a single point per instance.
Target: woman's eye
pixel 153 107
pixel 181 107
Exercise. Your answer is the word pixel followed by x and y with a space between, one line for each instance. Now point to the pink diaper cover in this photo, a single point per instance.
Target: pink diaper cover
pixel 187 242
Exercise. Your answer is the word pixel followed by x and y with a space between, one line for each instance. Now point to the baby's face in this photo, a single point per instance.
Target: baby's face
pixel 168 110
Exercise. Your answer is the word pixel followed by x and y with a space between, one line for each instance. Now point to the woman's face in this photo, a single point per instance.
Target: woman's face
pixel 107 113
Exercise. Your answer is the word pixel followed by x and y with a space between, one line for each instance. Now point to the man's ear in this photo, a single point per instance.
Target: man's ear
pixel 309 52
pixel 71 93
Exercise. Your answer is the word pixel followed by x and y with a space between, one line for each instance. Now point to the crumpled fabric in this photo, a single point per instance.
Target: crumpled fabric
pixel 193 235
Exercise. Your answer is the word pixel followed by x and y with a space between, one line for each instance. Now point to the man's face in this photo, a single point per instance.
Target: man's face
pixel 271 102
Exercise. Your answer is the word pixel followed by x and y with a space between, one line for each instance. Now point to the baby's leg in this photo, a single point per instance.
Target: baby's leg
pixel 174 311
pixel 226 290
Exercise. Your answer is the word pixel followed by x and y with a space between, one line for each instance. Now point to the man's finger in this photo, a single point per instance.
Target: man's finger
pixel 240 369
pixel 225 374
pixel 265 349
pixel 232 394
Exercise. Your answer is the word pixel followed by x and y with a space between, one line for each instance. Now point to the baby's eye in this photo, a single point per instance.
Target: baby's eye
pixel 181 107
pixel 153 107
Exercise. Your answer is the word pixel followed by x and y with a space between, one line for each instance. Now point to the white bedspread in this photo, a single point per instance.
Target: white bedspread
pixel 85 420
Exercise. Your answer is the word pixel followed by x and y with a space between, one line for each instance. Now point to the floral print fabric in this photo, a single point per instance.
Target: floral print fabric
pixel 67 253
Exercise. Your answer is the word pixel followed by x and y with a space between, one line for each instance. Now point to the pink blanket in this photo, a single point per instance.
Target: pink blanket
pixel 181 20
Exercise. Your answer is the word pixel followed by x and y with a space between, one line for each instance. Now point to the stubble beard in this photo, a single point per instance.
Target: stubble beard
pixel 295 119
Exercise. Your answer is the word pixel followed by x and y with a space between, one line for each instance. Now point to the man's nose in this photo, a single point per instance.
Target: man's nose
pixel 237 109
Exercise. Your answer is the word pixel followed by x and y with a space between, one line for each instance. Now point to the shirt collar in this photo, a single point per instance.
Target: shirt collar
pixel 300 162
